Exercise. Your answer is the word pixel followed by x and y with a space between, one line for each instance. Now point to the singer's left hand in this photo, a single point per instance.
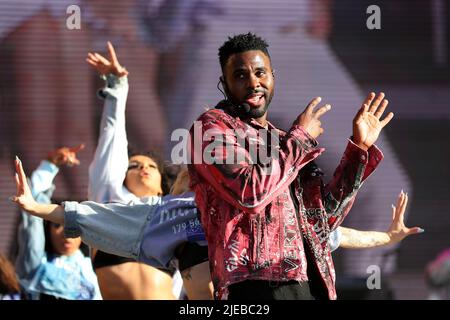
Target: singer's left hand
pixel 367 124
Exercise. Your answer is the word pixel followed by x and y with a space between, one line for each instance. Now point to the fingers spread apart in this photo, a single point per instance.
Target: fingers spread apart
pixel 376 102
pixel 322 110
pixel 314 102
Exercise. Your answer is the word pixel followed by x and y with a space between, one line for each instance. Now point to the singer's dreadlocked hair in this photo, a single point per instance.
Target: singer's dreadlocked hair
pixel 241 43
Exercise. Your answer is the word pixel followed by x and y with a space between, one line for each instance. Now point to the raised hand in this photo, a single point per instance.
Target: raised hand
pixel 309 119
pixel 105 66
pixel 398 231
pixel 65 156
pixel 24 197
pixel 367 124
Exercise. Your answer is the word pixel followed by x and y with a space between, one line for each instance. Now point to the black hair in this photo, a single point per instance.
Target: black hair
pixel 241 43
pixel 49 249
pixel 48 240
pixel 152 154
pixel 170 175
pixel 167 170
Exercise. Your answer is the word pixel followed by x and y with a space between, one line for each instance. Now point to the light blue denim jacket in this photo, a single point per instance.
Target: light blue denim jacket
pixel 67 277
pixel 147 232
pixel 108 169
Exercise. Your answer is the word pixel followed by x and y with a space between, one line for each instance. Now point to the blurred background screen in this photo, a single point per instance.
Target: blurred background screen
pixel 318 48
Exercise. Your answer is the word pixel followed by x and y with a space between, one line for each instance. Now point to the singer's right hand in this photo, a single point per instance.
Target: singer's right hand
pixel 309 119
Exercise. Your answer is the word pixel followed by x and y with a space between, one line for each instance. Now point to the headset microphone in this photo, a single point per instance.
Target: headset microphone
pixel 242 110
pixel 245 108
pixel 239 110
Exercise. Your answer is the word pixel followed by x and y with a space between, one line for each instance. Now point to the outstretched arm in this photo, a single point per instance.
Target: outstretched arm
pixel 31 238
pixel 113 228
pixel 356 239
pixel 108 168
pixel 24 198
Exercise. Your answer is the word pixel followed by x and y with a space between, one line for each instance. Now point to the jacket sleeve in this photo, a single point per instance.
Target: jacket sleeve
pixel 114 228
pixel 108 169
pixel 31 237
pixel 246 184
pixel 354 168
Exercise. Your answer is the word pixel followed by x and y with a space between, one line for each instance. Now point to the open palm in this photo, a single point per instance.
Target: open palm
pixel 24 197
pixel 398 231
pixel 367 123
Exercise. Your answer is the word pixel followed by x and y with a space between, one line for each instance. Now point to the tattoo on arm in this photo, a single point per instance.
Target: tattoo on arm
pixel 356 239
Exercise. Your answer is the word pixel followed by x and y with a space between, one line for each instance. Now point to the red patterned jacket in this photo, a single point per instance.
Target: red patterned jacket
pixel 249 209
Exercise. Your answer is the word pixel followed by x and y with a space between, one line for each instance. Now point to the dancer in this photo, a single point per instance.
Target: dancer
pixel 268 224
pixel 116 177
pixel 49 265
